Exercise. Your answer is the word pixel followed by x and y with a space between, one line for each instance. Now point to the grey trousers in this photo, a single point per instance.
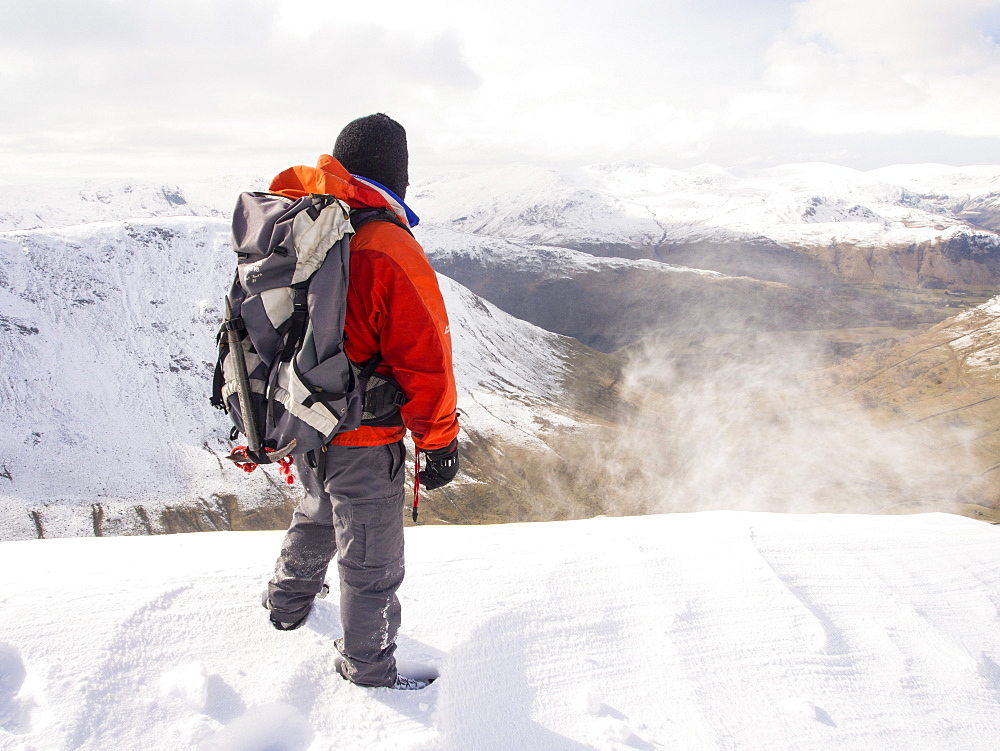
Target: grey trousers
pixel 353 509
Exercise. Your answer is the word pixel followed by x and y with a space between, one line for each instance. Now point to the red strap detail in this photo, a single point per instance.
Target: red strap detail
pixel 247 466
pixel 284 465
pixel 285 469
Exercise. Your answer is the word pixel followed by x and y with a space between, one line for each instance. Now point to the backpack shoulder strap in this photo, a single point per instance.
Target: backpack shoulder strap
pixel 361 217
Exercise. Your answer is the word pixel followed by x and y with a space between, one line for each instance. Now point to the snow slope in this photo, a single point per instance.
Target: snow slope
pixel 981 346
pixel 509 372
pixel 107 366
pixel 553 262
pixel 718 630
pixel 107 349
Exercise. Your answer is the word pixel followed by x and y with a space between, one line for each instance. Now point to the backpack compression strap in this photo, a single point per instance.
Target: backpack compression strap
pixel 297 325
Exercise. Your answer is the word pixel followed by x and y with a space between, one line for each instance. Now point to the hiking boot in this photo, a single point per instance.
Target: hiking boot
pixel 411 684
pixel 285 625
pixel 276 618
pixel 402 683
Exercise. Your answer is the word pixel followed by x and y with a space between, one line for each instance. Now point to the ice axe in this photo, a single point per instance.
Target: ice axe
pixel 234 325
pixel 249 456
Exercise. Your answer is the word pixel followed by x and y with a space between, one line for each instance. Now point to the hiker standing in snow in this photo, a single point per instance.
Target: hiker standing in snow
pixel 354 501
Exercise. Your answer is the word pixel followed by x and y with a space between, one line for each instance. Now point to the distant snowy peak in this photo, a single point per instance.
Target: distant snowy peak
pixel 820 210
pixel 642 205
pixel 970 193
pixel 941 179
pixel 70 204
pixel 598 207
pixel 637 177
pixel 535 205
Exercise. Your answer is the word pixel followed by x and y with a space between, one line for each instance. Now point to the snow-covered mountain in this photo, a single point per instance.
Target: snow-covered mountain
pixel 106 342
pixel 73 203
pixel 694 631
pixel 970 193
pixel 109 299
pixel 107 349
pixel 804 223
pixel 610 302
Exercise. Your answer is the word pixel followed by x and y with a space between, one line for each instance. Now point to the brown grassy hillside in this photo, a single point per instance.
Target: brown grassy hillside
pixel 940 387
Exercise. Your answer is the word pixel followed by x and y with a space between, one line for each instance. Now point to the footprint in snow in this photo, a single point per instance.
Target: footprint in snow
pixel 16 702
pixel 192 686
pixel 989 670
pixel 271 727
pixel 188 684
pixel 807 709
pixel 612 725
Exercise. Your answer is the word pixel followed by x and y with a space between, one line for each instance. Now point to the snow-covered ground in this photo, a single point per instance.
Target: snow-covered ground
pixel 717 630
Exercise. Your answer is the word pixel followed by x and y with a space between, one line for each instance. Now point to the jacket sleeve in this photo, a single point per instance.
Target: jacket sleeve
pixel 407 313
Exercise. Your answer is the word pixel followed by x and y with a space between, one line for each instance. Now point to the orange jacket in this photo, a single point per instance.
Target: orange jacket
pixel 394 307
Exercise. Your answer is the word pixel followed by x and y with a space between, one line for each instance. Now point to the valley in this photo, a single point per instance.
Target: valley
pixel 597 373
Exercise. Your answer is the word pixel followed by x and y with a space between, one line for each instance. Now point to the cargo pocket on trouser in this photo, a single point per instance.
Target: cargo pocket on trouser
pixel 377 525
pixel 381 527
pixel 370 544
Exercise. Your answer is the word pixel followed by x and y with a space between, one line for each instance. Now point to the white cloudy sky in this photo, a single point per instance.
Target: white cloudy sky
pixel 137 87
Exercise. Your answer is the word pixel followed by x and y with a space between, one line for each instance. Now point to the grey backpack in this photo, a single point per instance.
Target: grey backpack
pixel 282 374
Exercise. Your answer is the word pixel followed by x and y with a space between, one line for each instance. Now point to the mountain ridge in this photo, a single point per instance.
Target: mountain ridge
pixel 543 415
pixel 655 212
pixel 108 351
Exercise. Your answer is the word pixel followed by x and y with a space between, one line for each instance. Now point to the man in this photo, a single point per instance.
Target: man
pixel 354 499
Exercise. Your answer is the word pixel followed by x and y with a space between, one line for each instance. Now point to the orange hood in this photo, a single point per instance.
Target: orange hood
pixel 330 178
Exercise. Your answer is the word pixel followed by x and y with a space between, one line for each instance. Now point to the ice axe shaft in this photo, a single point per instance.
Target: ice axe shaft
pixel 233 328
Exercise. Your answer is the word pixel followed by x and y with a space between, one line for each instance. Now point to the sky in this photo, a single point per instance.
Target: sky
pixel 135 88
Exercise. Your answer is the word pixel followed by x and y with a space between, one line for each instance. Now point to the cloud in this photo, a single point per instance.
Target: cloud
pixel 111 79
pixel 879 66
pixel 63 25
pixel 765 82
pixel 900 35
pixel 113 82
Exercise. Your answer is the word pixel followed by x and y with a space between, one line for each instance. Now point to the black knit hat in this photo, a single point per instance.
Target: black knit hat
pixel 375 147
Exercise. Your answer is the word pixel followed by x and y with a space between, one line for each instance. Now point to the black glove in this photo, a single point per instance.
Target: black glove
pixel 441 466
